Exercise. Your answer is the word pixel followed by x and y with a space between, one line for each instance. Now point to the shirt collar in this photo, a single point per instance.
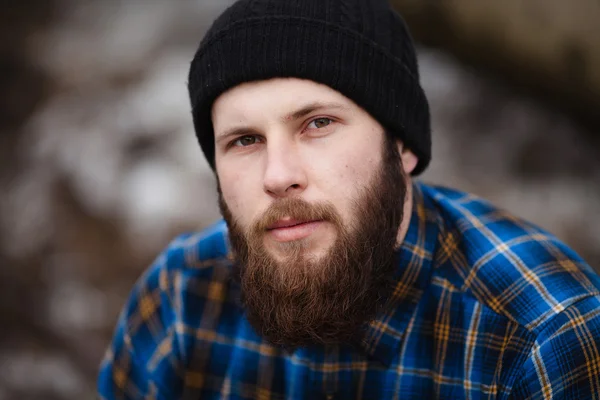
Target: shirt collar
pixel 414 260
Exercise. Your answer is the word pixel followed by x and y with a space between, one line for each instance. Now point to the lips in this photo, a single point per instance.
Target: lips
pixel 288 223
pixel 292 229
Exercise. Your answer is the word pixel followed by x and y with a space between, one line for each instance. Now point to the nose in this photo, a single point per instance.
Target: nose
pixel 284 173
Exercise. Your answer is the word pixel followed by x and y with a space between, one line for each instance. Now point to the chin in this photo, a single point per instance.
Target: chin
pixel 308 249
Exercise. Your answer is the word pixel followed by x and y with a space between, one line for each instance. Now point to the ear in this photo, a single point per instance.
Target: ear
pixel 409 159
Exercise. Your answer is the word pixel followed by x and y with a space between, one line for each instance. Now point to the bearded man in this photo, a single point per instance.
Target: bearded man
pixel 334 273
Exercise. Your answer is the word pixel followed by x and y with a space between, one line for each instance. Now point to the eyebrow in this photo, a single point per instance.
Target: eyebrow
pixel 293 116
pixel 309 108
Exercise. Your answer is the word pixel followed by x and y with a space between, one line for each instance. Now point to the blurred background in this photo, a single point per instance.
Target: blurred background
pixel 99 166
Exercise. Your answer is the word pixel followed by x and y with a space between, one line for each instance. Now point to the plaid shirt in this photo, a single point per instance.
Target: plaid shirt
pixel 487 306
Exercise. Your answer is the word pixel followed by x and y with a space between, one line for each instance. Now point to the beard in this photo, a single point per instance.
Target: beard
pixel 301 300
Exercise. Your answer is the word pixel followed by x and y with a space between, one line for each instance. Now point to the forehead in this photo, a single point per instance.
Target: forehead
pixel 275 97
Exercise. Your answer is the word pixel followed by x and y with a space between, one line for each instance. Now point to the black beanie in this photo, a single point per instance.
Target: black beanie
pixel 361 48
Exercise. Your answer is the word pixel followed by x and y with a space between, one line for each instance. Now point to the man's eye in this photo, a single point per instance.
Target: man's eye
pixel 320 123
pixel 245 141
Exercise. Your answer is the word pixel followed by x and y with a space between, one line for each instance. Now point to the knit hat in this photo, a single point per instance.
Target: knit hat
pixel 361 48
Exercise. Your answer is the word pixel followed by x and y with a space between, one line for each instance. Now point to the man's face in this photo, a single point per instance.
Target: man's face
pixel 313 195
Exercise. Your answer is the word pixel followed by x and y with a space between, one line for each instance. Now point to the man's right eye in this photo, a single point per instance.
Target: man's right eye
pixel 245 141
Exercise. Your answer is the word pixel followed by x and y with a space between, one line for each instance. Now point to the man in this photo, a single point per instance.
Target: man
pixel 334 274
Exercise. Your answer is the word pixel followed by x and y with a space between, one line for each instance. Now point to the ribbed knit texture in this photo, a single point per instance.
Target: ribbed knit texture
pixel 360 48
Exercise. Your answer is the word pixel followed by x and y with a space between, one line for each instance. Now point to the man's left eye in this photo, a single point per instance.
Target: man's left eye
pixel 320 123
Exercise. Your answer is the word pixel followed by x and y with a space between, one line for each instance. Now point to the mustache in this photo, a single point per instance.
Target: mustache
pixel 298 209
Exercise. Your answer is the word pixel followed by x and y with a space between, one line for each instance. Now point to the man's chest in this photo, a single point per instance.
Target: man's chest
pixel 447 352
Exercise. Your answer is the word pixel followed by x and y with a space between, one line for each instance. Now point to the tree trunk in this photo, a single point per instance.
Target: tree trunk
pixel 550 47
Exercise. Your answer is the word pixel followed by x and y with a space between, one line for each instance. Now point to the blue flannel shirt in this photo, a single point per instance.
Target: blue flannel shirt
pixel 487 306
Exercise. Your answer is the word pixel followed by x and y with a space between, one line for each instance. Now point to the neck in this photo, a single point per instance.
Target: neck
pixel 408 206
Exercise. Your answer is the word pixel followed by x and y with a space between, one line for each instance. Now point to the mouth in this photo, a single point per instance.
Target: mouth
pixel 288 223
pixel 287 230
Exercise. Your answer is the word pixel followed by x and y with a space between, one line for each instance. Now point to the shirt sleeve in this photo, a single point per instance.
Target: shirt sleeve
pixel 142 360
pixel 564 362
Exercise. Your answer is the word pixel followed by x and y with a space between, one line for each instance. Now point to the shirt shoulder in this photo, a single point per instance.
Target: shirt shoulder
pixel 179 297
pixel 570 339
pixel 194 267
pixel 209 244
pixel 508 264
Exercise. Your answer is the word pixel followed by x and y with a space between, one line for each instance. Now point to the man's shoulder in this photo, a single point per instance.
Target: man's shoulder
pixel 198 250
pixel 195 263
pixel 507 263
pixel 175 304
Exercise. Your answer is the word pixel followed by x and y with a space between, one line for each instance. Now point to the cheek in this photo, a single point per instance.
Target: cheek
pixel 347 172
pixel 240 196
pixel 358 163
